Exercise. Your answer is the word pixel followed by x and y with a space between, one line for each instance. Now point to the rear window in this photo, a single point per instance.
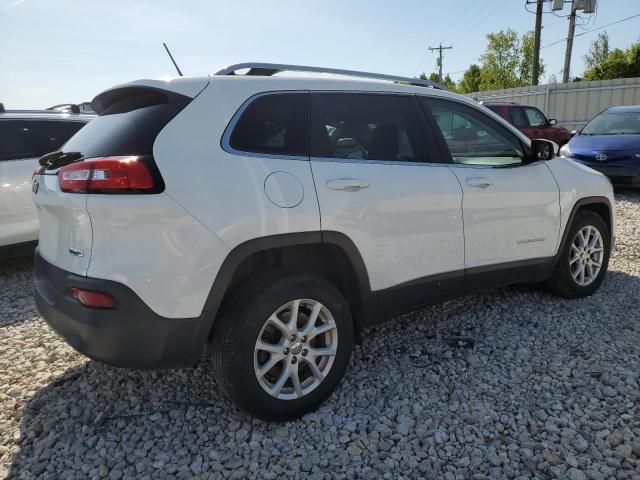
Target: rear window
pixel 33 138
pixel 128 123
pixel 275 124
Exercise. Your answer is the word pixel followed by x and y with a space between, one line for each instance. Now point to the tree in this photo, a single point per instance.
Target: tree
pixel 507 61
pixel 552 79
pixel 598 52
pixel 617 64
pixel 526 60
pixel 447 81
pixel 470 80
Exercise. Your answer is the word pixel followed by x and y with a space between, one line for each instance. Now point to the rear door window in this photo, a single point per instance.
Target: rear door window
pixel 363 126
pixel 516 117
pixel 276 124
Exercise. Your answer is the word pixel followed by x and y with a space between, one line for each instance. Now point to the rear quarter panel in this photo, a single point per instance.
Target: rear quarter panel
pixel 225 191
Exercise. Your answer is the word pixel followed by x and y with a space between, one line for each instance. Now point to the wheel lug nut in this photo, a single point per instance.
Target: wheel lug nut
pixel 294 359
pixel 293 338
pixel 304 339
pixel 286 351
pixel 304 352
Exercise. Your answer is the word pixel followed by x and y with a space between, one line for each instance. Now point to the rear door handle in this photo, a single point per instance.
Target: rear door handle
pixel 479 182
pixel 349 184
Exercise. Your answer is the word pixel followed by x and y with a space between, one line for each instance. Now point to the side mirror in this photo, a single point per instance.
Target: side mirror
pixel 553 121
pixel 543 149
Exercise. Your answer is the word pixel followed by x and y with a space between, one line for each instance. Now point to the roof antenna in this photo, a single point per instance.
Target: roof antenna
pixel 171 57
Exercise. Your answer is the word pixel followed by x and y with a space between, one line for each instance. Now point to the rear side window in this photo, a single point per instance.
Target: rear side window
pixel 33 138
pixel 517 118
pixel 129 120
pixel 275 124
pixel 367 127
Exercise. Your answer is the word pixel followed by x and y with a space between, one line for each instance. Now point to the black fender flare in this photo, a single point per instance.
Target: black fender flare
pixel 595 200
pixel 244 250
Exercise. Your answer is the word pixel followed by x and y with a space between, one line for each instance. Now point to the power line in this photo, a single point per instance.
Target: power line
pixel 593 30
pixel 469 21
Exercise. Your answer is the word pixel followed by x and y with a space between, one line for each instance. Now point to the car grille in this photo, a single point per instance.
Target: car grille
pixel 609 157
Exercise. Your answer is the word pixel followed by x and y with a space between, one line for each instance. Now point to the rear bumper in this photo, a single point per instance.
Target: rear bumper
pixel 130 335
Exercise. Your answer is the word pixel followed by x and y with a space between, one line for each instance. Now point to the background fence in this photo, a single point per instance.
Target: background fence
pixel 572 104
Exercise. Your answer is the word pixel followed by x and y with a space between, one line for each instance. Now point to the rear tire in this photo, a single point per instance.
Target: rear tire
pixel 584 257
pixel 264 363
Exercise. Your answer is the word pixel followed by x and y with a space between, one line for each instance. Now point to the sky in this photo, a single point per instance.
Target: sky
pixel 61 51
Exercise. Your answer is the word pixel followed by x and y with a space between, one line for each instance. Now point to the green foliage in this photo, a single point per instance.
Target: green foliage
pixel 617 64
pixel 598 52
pixel 507 61
pixel 470 80
pixel 447 81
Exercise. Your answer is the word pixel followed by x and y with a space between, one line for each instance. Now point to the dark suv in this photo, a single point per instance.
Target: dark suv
pixel 530 121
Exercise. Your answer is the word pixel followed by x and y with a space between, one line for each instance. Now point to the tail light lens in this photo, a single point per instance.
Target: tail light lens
pixel 107 175
pixel 92 299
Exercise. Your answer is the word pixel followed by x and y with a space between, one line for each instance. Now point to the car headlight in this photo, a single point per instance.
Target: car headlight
pixel 565 151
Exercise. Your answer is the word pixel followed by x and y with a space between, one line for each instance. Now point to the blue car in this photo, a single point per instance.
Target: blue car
pixel 610 143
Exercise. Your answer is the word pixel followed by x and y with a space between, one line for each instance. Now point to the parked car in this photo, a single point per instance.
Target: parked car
pixel 530 121
pixel 277 217
pixel 610 143
pixel 25 135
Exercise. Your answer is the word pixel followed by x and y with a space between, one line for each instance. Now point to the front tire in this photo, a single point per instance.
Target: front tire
pixel 584 258
pixel 280 348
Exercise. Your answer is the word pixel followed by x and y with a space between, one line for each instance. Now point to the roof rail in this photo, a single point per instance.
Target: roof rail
pixel 269 69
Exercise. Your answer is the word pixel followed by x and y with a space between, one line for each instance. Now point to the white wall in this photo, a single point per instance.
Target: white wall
pixel 572 104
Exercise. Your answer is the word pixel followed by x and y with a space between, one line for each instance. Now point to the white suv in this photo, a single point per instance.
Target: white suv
pixel 279 216
pixel 25 135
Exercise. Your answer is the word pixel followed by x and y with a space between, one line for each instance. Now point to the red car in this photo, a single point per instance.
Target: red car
pixel 530 121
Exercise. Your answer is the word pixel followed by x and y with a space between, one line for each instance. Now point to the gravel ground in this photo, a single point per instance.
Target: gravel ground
pixel 547 389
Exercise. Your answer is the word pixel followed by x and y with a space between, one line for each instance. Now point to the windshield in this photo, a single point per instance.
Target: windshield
pixel 614 123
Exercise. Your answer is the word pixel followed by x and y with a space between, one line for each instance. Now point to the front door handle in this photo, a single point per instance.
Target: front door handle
pixel 479 182
pixel 349 184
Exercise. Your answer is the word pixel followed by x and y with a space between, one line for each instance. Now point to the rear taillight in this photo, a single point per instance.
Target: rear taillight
pixel 107 175
pixel 92 298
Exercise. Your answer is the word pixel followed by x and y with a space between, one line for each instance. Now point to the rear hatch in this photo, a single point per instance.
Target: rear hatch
pixel 112 155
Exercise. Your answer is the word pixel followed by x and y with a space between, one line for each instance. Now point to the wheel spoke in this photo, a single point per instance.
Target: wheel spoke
pixel 315 370
pixel 594 240
pixel 322 351
pixel 581 276
pixel 582 239
pixel 574 260
pixel 276 322
pixel 596 264
pixel 284 376
pixel 578 270
pixel 589 271
pixel 575 249
pixel 269 347
pixel 295 379
pixel 586 237
pixel 273 360
pixel 293 319
pixel 313 318
pixel 325 327
pixel 596 250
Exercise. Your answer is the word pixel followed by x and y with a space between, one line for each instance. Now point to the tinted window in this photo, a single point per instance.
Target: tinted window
pixel 33 138
pixel 535 117
pixel 516 117
pixel 128 123
pixel 473 137
pixel 368 127
pixel 275 124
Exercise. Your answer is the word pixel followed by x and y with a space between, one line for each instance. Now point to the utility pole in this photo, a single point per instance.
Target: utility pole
pixel 440 48
pixel 536 43
pixel 567 55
